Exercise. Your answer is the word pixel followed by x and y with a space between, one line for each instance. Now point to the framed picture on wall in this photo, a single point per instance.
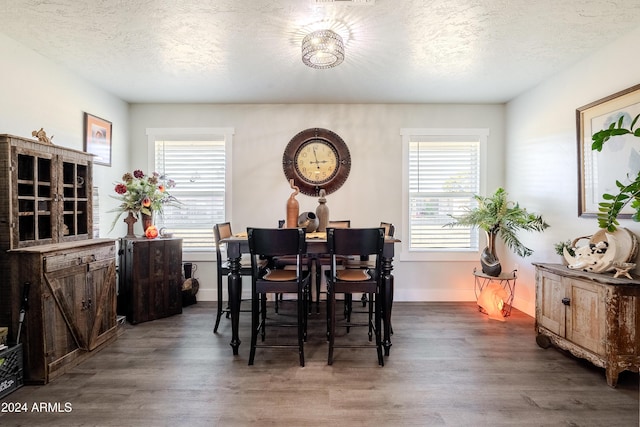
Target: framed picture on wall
pixel 97 139
pixel 620 156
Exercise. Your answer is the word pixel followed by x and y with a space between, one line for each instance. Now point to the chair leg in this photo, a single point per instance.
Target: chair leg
pixel 331 322
pixel 318 283
pixel 371 298
pixel 363 298
pixel 254 327
pixel 302 314
pixel 219 313
pixel 263 312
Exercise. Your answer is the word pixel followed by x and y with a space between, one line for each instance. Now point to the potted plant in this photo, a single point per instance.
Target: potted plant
pixel 497 216
pixel 561 246
pixel 628 193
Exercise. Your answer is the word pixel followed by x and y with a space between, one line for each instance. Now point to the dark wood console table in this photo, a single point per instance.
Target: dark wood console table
pixel 150 278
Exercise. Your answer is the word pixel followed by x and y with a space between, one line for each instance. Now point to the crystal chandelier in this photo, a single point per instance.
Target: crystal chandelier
pixel 322 49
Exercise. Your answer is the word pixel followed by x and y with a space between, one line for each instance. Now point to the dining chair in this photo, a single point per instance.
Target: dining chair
pixel 223 231
pixel 324 260
pixel 355 242
pixel 271 243
pixel 363 262
pixel 290 262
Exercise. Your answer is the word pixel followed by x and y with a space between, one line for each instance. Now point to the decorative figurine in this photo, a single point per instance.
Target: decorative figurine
pixel 322 212
pixel 293 207
pixel 42 136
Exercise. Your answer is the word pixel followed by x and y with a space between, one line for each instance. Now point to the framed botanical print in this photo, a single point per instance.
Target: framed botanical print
pixel 620 156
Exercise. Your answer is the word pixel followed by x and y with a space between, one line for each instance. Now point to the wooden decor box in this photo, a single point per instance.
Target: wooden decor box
pixel 150 278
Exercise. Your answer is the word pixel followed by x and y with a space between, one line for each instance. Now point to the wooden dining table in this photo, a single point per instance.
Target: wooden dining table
pixel 316 246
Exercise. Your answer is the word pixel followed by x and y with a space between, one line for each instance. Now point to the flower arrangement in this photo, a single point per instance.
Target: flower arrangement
pixel 143 194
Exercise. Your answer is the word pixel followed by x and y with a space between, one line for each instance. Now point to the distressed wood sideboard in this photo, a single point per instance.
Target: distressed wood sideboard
pixel 593 316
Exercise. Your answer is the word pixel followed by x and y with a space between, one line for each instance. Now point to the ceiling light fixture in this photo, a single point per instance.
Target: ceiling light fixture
pixel 322 49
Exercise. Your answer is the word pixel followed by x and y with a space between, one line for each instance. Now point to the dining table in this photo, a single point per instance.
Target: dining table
pixel 238 244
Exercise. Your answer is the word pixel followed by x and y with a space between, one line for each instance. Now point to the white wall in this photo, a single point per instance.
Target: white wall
pixel 372 192
pixel 37 93
pixel 541 160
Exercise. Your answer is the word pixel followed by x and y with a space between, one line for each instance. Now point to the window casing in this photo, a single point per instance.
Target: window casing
pixel 442 170
pixel 198 160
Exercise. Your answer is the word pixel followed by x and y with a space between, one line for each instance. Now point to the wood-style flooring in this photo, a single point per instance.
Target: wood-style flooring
pixel 449 366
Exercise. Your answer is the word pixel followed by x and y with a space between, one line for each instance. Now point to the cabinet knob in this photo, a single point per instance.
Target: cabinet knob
pixel 566 301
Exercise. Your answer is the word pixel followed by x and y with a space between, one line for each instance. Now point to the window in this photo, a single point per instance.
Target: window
pixel 198 160
pixel 441 174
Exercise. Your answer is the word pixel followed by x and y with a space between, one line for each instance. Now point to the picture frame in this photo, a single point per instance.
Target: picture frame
pixel 598 171
pixel 97 139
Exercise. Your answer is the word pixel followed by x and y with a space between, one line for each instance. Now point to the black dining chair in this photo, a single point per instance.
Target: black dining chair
pixel 223 231
pixel 355 242
pixel 324 260
pixel 267 243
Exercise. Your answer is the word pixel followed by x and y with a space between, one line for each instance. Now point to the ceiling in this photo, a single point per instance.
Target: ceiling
pixel 248 51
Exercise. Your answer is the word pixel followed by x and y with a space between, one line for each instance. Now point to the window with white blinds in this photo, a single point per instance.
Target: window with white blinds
pixel 441 175
pixel 198 163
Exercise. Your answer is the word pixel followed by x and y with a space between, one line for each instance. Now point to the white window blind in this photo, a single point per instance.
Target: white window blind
pixel 442 174
pixel 443 177
pixel 199 169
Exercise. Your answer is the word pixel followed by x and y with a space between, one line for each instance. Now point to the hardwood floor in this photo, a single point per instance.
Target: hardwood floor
pixel 449 366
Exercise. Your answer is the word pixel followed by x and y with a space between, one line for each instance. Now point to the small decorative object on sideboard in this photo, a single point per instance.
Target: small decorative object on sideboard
pixel 623 269
pixel 41 135
pixel 602 251
pixel 143 195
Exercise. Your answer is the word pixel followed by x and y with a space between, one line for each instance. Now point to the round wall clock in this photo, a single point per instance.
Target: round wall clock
pixel 316 159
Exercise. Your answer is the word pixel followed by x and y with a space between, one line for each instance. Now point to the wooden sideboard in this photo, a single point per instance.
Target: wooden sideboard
pixel 150 278
pixel 593 316
pixel 71 304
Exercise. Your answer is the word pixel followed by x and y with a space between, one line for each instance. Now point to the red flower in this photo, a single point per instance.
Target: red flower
pixel 161 188
pixel 138 174
pixel 121 188
pixel 146 202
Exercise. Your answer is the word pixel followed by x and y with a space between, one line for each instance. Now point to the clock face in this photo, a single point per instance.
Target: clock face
pixel 316 159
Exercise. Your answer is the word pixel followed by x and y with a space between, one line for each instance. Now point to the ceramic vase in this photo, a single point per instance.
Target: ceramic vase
pixel 488 259
pixel 308 221
pixel 322 212
pixel 147 221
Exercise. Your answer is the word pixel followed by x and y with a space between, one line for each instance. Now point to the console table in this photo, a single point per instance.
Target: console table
pixel 150 278
pixel 593 316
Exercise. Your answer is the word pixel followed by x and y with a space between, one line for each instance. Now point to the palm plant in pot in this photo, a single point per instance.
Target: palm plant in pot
pixel 498 217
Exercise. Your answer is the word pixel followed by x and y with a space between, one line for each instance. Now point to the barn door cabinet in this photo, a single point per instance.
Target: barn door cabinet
pixel 593 316
pixel 71 309
pixel 45 198
pixel 150 285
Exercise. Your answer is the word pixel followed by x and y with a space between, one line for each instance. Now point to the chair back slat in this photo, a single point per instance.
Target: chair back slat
pixel 272 242
pixel 355 241
pixel 221 231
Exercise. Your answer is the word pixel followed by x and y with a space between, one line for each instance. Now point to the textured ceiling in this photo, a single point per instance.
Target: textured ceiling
pixel 248 51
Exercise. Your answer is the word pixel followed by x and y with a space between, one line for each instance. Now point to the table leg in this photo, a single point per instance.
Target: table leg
pixel 235 295
pixel 387 302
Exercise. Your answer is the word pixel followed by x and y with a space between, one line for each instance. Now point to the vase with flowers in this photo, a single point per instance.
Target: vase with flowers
pixel 141 196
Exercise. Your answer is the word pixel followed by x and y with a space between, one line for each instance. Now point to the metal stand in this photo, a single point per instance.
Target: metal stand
pixel 506 280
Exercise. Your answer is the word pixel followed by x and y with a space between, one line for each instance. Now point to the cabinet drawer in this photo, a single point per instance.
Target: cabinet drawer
pixel 57 262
